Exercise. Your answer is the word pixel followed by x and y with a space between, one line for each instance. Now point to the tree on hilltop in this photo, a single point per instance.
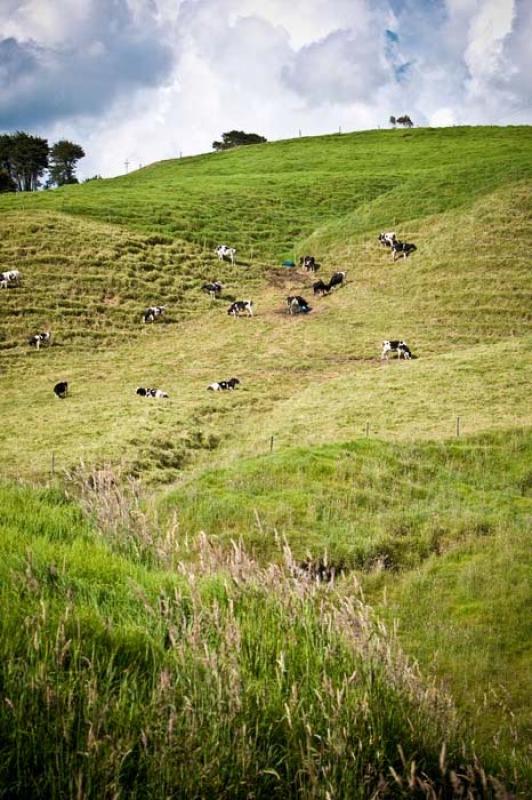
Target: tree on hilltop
pixel 405 121
pixel 23 158
pixel 7 184
pixel 236 139
pixel 64 156
pixel 393 121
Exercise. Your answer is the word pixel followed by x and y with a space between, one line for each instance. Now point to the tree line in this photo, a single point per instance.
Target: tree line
pixel 24 159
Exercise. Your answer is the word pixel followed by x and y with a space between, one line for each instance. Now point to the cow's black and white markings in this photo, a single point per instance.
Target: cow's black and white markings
pixel 152 313
pixel 158 394
pixel 387 239
pixel 338 279
pixel 224 252
pixel 223 386
pixel 309 263
pixel 40 338
pixel 11 277
pixel 61 389
pixel 213 289
pixel 297 305
pixel 320 288
pixel 402 249
pixel 396 346
pixel 241 307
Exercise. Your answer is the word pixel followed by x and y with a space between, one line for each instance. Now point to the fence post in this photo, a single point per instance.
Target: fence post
pixel 271 444
pixel 53 464
pixel 458 426
pixel 367 428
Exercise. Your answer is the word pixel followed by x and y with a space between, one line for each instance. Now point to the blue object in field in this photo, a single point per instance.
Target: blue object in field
pixel 289 263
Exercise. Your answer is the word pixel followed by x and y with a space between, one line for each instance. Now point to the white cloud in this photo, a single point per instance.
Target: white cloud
pixel 145 79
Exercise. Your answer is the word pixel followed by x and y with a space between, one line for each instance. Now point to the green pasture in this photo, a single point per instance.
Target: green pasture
pixel 158 557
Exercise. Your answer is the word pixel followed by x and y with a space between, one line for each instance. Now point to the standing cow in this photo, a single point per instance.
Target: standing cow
pixel 224 252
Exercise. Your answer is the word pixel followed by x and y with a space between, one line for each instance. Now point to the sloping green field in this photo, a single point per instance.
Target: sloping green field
pixel 352 463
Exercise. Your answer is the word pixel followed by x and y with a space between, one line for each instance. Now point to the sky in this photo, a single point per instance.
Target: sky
pixel 145 80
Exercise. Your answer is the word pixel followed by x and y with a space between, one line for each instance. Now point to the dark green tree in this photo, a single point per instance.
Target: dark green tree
pixel 24 159
pixel 236 139
pixel 64 157
pixel 7 184
pixel 393 121
pixel 405 121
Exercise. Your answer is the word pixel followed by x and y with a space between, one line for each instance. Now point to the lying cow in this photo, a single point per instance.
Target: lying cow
pixel 387 239
pixel 297 304
pixel 402 249
pixel 224 252
pixel 241 307
pixel 223 386
pixel 40 338
pixel 157 393
pixel 213 289
pixel 338 279
pixel 309 263
pixel 61 389
pixel 152 313
pixel 12 277
pixel 320 288
pixel 395 346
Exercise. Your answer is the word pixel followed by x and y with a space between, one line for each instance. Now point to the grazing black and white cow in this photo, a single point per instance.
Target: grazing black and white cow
pixel 157 393
pixel 12 277
pixel 213 289
pixel 297 304
pixel 40 338
pixel 402 249
pixel 338 279
pixel 223 386
pixel 61 389
pixel 387 239
pixel 241 307
pixel 309 263
pixel 152 313
pixel 396 346
pixel 320 287
pixel 224 252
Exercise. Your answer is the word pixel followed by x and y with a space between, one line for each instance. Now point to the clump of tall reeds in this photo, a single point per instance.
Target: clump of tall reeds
pixel 122 515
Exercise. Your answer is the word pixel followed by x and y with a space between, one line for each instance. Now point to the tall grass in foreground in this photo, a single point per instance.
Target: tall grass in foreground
pixel 233 681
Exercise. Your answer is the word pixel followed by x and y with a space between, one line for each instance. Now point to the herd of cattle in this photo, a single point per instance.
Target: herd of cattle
pixel 296 304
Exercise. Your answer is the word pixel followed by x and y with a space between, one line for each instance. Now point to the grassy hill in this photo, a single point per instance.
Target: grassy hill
pixel 268 199
pixel 350 462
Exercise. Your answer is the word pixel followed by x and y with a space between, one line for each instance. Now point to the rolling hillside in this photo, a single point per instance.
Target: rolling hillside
pixel 352 463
